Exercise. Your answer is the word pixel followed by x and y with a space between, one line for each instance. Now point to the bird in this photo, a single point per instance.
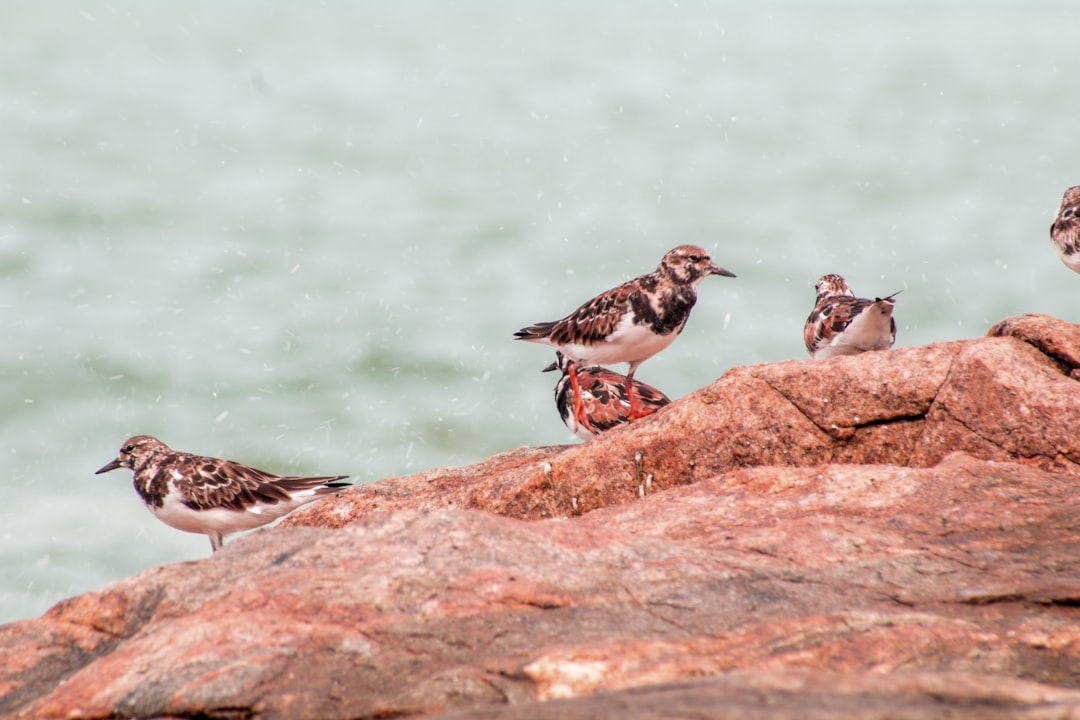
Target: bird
pixel 842 324
pixel 1065 232
pixel 603 397
pixel 629 323
pixel 210 496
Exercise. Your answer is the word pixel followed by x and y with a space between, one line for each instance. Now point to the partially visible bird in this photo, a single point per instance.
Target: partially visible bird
pixel 1065 232
pixel 842 324
pixel 629 323
pixel 214 497
pixel 604 401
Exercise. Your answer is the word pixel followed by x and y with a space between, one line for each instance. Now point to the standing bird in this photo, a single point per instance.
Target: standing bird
pixel 842 324
pixel 1065 232
pixel 629 323
pixel 604 401
pixel 214 497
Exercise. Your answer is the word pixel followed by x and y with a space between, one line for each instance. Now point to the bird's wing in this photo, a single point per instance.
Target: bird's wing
pixel 830 317
pixel 212 483
pixel 594 321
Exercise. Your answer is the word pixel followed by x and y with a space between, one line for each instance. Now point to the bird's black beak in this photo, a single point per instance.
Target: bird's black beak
pixel 890 297
pixel 552 366
pixel 717 270
pixel 111 466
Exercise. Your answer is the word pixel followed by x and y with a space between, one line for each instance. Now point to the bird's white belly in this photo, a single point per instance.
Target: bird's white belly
pixel 629 343
pixel 1071 261
pixel 175 513
pixel 870 330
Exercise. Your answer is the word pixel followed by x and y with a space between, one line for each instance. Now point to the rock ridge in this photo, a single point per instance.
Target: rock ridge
pixel 908 406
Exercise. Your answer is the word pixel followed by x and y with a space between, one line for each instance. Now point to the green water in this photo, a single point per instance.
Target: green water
pixel 300 235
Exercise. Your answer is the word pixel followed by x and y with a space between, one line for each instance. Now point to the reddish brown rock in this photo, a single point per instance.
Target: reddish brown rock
pixel 768 578
pixel 968 567
pixel 805 695
pixel 1050 336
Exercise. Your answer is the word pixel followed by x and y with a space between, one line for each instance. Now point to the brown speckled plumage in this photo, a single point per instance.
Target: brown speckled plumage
pixel 178 486
pixel 661 301
pixel 632 322
pixel 831 326
pixel 1065 231
pixel 604 399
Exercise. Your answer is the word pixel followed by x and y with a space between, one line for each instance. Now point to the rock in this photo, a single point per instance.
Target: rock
pixel 967 567
pixel 804 695
pixel 1050 336
pixel 818 547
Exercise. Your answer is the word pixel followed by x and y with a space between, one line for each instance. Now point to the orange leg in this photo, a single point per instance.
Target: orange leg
pixel 636 411
pixel 579 404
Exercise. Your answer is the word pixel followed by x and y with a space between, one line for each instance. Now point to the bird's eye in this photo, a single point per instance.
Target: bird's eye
pixel 129 449
pixel 695 258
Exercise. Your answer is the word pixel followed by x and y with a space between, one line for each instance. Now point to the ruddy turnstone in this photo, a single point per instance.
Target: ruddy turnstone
pixel 629 323
pixel 603 397
pixel 210 496
pixel 1065 232
pixel 842 324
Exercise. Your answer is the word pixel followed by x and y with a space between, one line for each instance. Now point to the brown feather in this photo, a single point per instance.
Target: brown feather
pixel 834 311
pixel 661 300
pixel 206 482
pixel 595 320
pixel 1065 231
pixel 606 403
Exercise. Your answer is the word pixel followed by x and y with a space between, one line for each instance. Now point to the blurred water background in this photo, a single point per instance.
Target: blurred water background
pixel 300 235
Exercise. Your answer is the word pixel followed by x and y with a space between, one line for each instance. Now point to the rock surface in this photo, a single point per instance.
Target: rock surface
pixel 820 549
